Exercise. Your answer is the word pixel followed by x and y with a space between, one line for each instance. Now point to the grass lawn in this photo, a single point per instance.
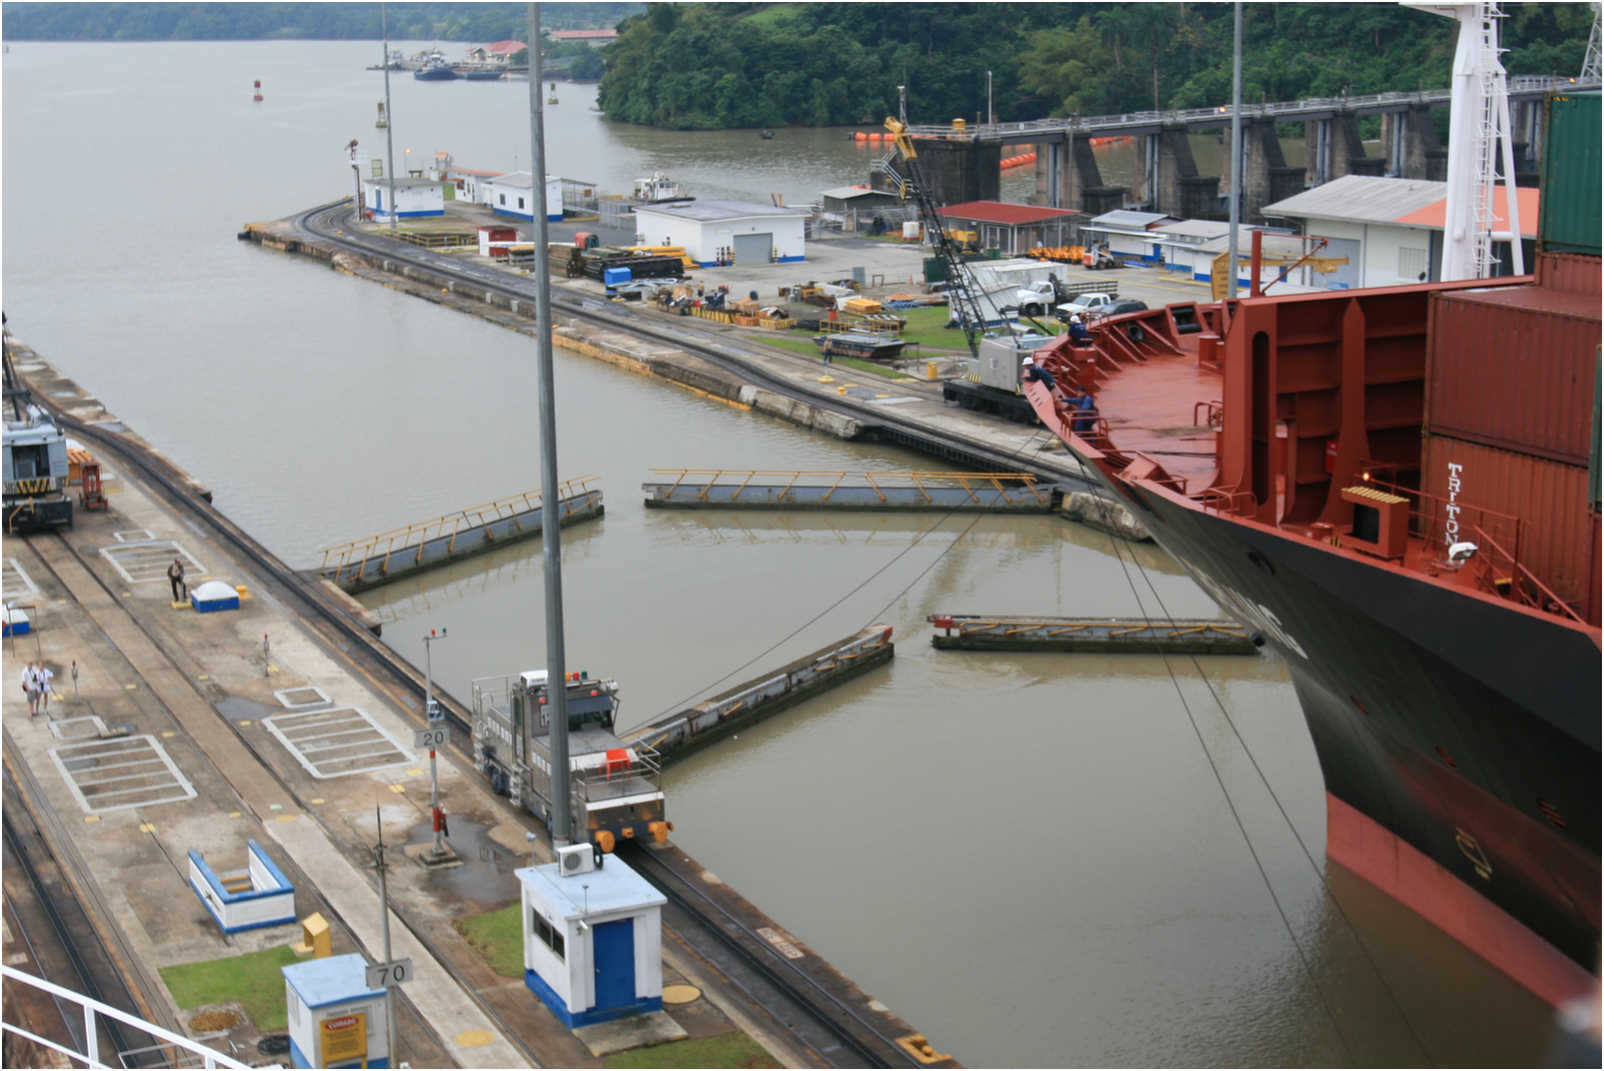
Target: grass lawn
pixel 807 347
pixel 928 327
pixel 734 1049
pixel 253 979
pixel 499 937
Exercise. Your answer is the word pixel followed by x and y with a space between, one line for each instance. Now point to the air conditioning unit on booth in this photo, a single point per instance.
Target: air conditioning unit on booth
pixel 576 859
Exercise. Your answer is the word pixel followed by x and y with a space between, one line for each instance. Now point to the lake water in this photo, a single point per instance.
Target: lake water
pixel 1037 860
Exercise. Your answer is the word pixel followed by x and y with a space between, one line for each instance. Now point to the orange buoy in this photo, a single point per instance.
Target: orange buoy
pixel 860 136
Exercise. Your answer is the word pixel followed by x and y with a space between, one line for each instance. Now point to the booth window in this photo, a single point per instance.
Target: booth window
pixel 548 936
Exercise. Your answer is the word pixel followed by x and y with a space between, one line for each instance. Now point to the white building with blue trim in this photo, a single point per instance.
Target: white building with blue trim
pixel 512 195
pixel 715 232
pixel 414 197
pixel 335 1019
pixel 593 939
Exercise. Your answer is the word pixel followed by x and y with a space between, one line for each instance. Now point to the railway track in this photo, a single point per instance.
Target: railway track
pixel 733 355
pixel 62 944
pixel 809 1017
pixel 831 1031
pixel 419 928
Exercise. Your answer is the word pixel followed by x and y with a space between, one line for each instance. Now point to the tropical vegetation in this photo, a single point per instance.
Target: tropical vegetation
pixel 698 66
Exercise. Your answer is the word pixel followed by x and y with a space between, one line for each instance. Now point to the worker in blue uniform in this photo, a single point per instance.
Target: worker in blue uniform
pixel 1036 373
pixel 1078 335
pixel 1085 416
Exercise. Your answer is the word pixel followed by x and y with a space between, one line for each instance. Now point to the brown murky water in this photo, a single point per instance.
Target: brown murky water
pixel 1029 857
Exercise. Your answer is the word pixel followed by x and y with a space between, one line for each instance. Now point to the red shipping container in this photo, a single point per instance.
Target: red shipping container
pixel 1556 542
pixel 1513 367
pixel 1570 271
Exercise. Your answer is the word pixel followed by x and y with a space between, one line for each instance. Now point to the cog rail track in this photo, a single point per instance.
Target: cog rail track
pixel 832 1032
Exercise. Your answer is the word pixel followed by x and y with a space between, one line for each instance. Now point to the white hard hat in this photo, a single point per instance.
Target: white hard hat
pixel 1028 359
pixel 1075 318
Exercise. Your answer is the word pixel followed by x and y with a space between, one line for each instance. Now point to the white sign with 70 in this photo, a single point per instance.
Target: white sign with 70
pixel 385 975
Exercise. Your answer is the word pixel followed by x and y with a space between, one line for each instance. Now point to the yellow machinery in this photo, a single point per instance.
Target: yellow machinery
pixel 1220 270
pixel 664 251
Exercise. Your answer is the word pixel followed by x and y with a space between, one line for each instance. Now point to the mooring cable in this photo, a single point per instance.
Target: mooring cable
pixel 1236 815
pixel 1287 818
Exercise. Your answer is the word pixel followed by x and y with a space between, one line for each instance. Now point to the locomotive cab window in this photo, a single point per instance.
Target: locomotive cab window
pixel 30 461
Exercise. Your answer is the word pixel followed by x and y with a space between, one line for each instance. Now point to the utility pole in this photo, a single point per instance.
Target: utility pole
pixel 389 115
pixel 990 119
pixel 384 913
pixel 1236 146
pixel 432 711
pixel 550 518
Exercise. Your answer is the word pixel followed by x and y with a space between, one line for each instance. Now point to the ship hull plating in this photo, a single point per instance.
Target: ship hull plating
pixel 1465 729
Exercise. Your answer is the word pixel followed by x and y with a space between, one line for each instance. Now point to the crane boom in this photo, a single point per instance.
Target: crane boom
pixel 902 167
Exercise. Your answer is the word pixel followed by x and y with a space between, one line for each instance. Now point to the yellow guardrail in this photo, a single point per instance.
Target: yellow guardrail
pixel 1003 483
pixel 412 537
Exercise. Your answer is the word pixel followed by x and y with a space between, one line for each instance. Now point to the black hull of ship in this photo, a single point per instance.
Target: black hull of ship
pixel 1465 729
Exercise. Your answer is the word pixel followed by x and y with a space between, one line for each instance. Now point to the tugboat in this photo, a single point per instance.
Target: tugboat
pixel 658 189
pixel 435 71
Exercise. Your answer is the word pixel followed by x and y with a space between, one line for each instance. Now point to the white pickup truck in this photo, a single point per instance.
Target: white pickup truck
pixel 1086 304
pixel 1035 298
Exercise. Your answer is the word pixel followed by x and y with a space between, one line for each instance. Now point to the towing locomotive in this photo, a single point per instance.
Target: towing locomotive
pixel 615 788
pixel 34 462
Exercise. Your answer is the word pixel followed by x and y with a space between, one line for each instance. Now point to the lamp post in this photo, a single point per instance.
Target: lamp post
pixel 432 711
pixel 389 113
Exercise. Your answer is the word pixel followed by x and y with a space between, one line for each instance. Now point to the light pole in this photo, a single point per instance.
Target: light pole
pixel 384 915
pixel 990 121
pixel 389 113
pixel 432 711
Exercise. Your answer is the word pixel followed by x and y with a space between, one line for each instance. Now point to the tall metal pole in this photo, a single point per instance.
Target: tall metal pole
pixel 1236 146
pixel 550 520
pixel 384 914
pixel 389 116
pixel 990 121
pixel 902 105
pixel 432 713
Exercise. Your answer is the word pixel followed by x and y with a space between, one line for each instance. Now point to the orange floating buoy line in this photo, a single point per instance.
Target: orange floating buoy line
pixel 1018 161
pixel 258 87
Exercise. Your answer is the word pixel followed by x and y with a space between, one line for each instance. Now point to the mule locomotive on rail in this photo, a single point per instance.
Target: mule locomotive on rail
pixel 615 787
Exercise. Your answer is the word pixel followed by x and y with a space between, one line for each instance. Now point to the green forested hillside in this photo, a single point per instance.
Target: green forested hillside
pixel 693 66
pixel 306 21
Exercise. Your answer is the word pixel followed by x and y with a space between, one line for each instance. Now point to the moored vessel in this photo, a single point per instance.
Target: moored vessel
pixel 1398 489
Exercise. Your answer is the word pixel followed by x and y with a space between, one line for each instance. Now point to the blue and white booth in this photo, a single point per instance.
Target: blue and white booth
pixel 414 197
pixel 16 622
pixel 260 895
pixel 212 596
pixel 335 1019
pixel 593 939
pixel 513 195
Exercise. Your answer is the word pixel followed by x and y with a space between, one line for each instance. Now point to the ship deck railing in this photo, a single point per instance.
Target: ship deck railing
pixel 1497 567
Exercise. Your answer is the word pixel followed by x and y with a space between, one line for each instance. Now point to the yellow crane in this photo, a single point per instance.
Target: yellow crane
pixel 1220 269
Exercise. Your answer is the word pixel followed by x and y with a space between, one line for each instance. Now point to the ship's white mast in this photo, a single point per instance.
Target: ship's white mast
pixel 1590 62
pixel 1478 143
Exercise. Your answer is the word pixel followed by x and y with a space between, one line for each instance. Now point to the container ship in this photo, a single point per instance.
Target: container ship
pixel 1398 489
